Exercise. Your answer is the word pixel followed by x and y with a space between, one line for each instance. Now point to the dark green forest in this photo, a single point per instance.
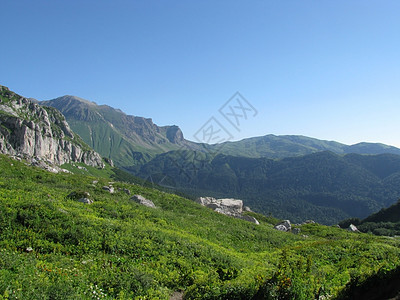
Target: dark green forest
pixel 324 186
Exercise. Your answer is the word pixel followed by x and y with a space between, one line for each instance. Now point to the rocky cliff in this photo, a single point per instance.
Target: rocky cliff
pixel 30 130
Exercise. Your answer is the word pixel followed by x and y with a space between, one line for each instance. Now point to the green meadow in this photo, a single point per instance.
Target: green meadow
pixel 54 247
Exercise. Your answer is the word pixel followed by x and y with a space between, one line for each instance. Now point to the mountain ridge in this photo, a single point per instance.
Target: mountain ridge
pixel 132 141
pixel 128 140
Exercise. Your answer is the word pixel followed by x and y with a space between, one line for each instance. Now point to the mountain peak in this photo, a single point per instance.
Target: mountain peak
pixel 76 99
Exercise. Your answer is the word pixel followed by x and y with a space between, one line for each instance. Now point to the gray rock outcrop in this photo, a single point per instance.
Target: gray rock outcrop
pixel 352 228
pixel 109 189
pixel 85 200
pixel 227 206
pixel 30 130
pixel 83 197
pixel 284 226
pixel 143 201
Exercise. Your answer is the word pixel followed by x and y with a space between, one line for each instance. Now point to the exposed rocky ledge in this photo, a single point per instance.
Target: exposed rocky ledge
pixel 227 206
pixel 30 130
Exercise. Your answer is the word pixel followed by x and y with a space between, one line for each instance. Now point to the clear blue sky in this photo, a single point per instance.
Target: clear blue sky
pixel 325 69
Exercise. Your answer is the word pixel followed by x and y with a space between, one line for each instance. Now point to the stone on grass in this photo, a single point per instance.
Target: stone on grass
pixel 143 201
pixel 283 226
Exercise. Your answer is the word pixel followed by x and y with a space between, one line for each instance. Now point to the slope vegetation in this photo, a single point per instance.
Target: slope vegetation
pixel 54 247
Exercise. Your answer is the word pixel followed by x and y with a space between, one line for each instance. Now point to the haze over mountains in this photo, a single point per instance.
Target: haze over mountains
pixel 288 176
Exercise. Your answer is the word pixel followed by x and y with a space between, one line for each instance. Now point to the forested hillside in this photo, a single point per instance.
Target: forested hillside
pixel 323 186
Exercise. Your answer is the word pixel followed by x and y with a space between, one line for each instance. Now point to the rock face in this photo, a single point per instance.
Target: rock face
pixel 143 201
pixel 30 130
pixel 227 206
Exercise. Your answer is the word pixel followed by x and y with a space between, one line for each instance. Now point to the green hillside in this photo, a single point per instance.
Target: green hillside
pixel 323 186
pixel 53 247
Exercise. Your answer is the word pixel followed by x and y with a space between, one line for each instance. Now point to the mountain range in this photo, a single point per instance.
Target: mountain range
pixel 294 177
pixel 131 140
pixel 88 231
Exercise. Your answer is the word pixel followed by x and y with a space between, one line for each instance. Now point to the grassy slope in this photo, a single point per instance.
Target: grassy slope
pixel 116 248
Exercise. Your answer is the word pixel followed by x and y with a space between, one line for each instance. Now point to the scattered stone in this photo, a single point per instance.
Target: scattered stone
pixel 308 222
pixel 85 200
pixel 127 191
pixel 109 189
pixel 78 195
pixel 284 226
pixel 95 182
pixel 305 236
pixel 352 228
pixel 82 197
pixel 81 168
pixel 29 249
pixel 296 230
pixel 143 201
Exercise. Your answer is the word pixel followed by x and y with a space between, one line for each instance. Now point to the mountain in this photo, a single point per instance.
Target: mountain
pixel 272 146
pixel 40 133
pixel 128 140
pixel 52 246
pixel 132 141
pixel 289 176
pixel 323 186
